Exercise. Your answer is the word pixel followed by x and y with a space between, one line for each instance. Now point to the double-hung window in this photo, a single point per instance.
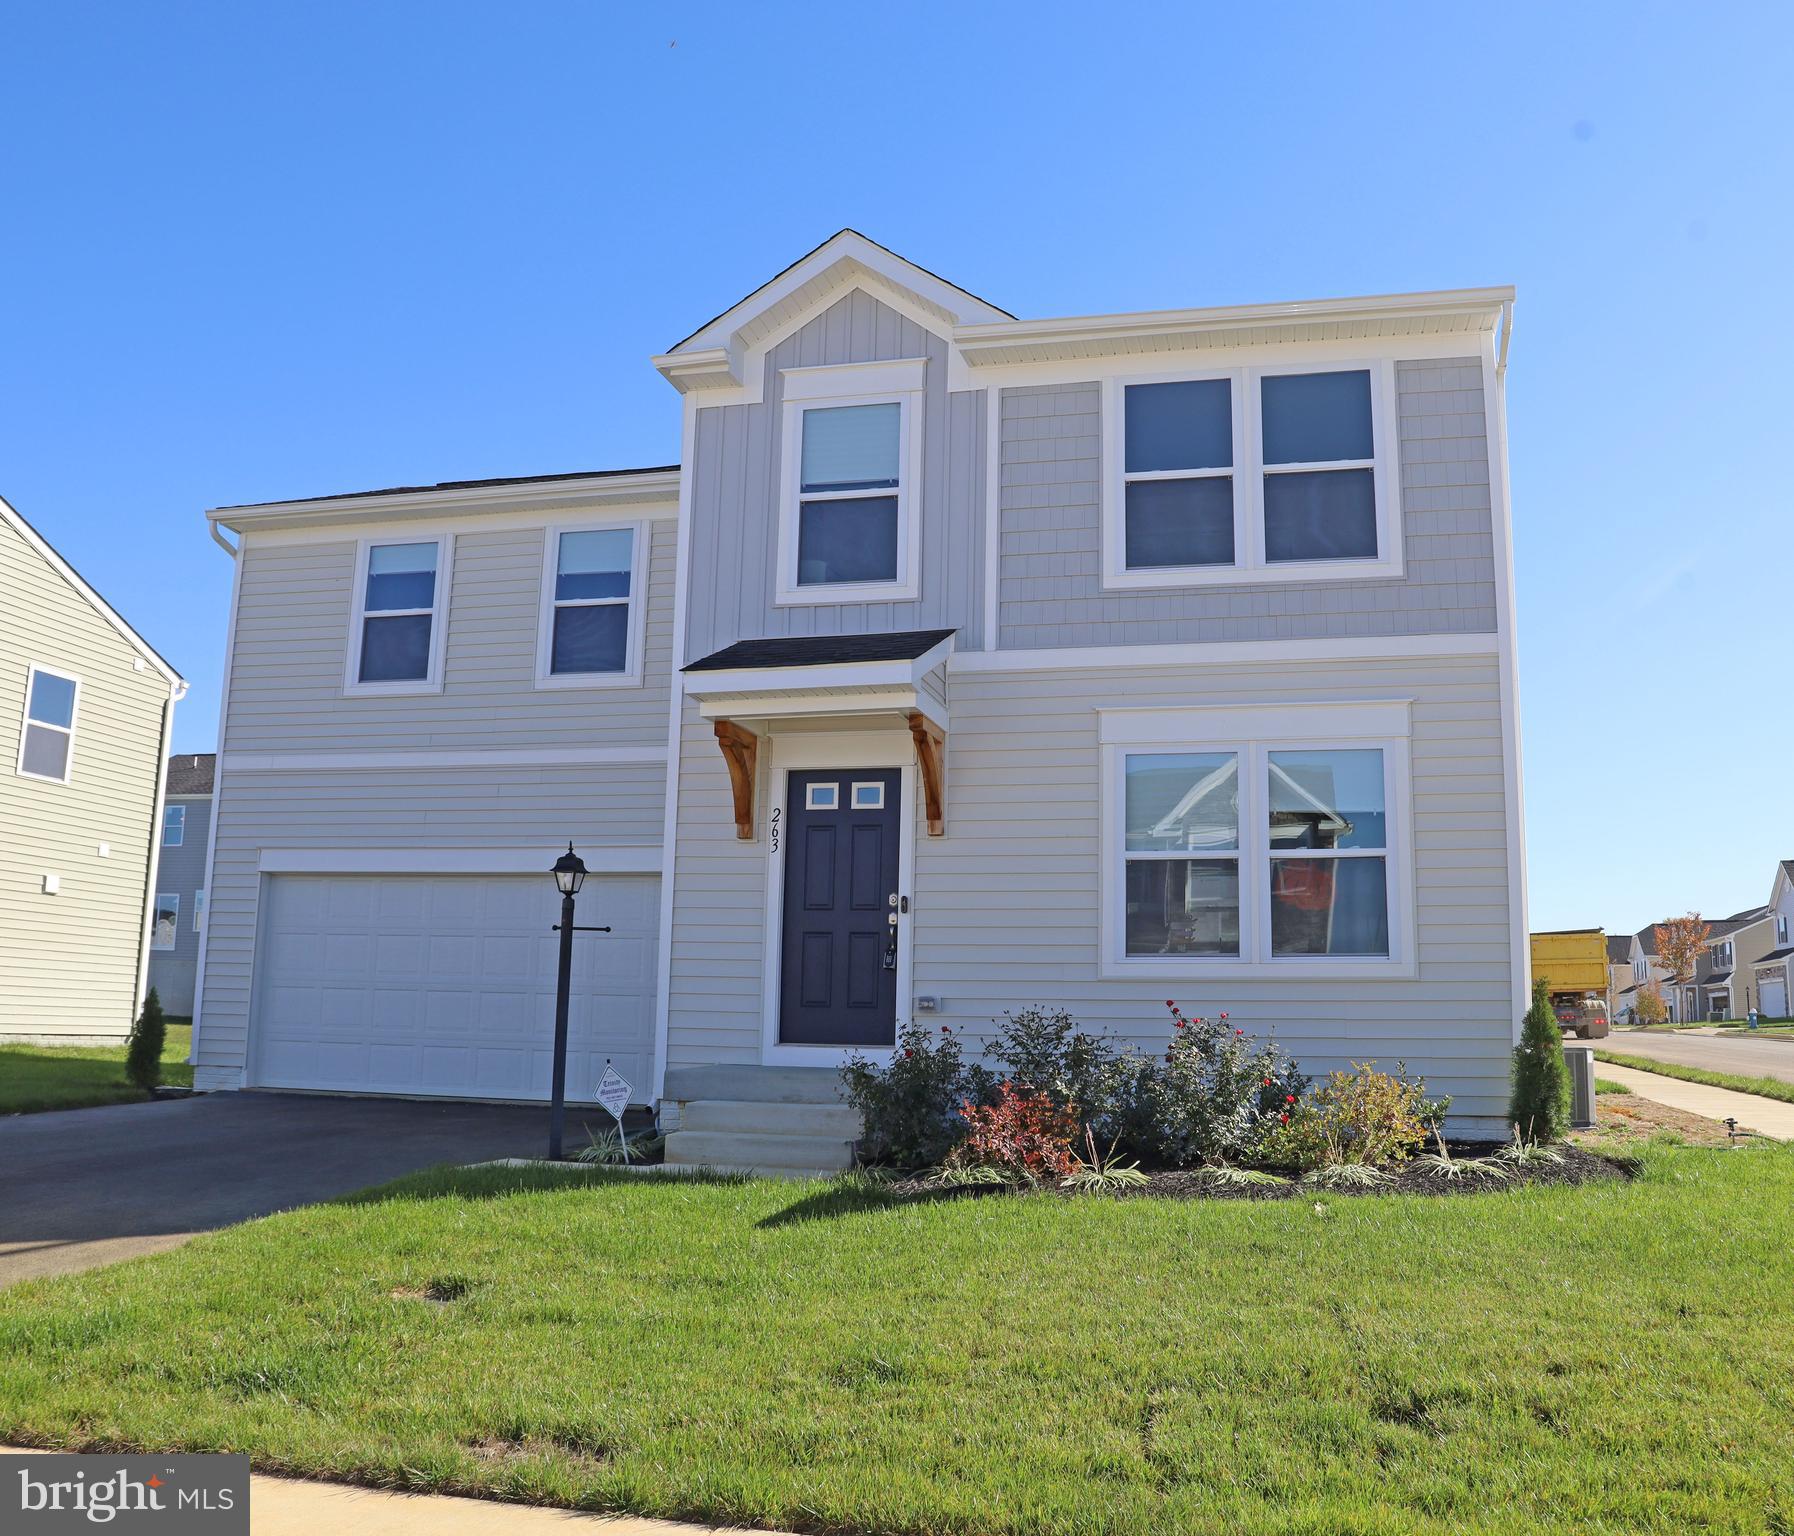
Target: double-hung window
pixel 1781 928
pixel 396 641
pixel 1243 841
pixel 1250 475
pixel 591 635
pixel 167 923
pixel 47 740
pixel 850 494
pixel 174 825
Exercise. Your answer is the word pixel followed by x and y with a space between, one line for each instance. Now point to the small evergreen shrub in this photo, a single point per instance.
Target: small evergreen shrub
pixel 1024 1136
pixel 1044 1051
pixel 1540 1102
pixel 911 1108
pixel 143 1053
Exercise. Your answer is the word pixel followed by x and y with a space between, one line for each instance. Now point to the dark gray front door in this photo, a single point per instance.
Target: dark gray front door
pixel 838 974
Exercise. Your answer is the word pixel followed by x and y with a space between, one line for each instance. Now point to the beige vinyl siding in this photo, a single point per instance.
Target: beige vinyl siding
pixel 1007 905
pixel 69 963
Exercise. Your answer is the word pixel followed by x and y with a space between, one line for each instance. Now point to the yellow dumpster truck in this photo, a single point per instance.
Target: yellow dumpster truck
pixel 1573 964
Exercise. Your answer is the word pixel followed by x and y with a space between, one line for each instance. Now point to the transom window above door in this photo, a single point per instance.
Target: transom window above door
pixel 591 633
pixel 395 644
pixel 1250 475
pixel 847 526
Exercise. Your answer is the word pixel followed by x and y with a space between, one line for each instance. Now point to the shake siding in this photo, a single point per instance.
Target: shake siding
pixel 286 696
pixel 69 962
pixel 182 872
pixel 735 494
pixel 1050 578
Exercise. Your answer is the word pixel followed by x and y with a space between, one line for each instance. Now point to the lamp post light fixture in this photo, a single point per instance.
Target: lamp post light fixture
pixel 569 875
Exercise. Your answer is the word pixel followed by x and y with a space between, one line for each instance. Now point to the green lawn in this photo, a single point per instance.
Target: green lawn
pixel 811 1356
pixel 1763 1087
pixel 1608 1085
pixel 36 1077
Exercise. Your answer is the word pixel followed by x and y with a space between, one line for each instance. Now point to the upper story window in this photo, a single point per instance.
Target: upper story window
pixel 848 523
pixel 592 606
pixel 1781 927
pixel 47 740
pixel 174 825
pixel 1265 474
pixel 397 637
pixel 1722 956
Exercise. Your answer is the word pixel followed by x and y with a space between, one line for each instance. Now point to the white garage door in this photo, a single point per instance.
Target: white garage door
pixel 444 984
pixel 1773 1003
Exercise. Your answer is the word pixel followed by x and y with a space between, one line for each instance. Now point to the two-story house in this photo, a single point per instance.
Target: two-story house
pixel 86 708
pixel 1770 971
pixel 966 662
pixel 1619 973
pixel 180 909
pixel 1648 972
pixel 1726 978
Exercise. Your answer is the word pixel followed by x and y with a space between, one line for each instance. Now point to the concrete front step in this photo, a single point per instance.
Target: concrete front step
pixel 733 1149
pixel 761 1085
pixel 758 1117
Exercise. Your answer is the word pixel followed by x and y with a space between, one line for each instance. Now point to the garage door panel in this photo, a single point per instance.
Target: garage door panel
pixel 445 985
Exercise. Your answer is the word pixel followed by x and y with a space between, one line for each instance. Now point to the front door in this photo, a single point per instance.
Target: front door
pixel 838 969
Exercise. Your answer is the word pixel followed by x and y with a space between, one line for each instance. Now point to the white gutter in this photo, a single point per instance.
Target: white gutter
pixel 1507 335
pixel 153 865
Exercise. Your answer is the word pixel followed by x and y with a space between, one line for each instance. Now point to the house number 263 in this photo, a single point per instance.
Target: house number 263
pixel 777 812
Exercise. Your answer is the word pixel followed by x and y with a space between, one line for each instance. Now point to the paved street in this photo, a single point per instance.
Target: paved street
pixel 1717 1053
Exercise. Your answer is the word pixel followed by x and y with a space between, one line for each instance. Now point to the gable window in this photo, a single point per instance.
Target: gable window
pixel 47 740
pixel 1262 474
pixel 396 645
pixel 851 472
pixel 167 923
pixel 174 825
pixel 1781 928
pixel 591 632
pixel 1241 841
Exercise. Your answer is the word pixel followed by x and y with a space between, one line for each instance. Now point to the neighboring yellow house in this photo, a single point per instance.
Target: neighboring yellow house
pixel 86 709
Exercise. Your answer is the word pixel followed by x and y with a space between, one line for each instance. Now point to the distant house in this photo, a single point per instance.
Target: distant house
pixel 1647 971
pixel 1619 971
pixel 1770 971
pixel 181 885
pixel 86 707
pixel 1725 981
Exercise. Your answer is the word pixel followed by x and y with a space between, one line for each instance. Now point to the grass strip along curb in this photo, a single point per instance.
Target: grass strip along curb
pixel 1762 1087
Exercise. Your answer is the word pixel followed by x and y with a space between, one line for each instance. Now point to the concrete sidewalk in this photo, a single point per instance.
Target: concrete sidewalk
pixel 286 1506
pixel 1771 1117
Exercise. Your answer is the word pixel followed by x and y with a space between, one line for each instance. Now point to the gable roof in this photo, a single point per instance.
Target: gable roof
pixel 1619 948
pixel 13 518
pixel 462 485
pixel 191 773
pixel 1647 938
pixel 821 650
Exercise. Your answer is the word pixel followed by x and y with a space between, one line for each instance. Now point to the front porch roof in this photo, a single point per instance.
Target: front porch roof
pixel 1775 956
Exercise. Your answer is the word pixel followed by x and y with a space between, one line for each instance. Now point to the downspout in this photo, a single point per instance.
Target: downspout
pixel 230 646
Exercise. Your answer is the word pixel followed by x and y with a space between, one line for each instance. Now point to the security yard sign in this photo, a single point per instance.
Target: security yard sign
pixel 613 1093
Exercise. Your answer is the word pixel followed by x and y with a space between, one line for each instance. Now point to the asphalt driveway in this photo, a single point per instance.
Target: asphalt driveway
pixel 84 1187
pixel 1737 1052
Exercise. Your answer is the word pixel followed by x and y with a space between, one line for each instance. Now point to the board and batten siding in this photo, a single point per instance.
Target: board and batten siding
pixel 69 963
pixel 735 495
pixel 1007 905
pixel 1050 589
pixel 182 872
pixel 286 701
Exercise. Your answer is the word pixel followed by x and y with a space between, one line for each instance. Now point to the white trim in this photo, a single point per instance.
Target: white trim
pixel 993 514
pixel 830 383
pixel 848 750
pixel 170 901
pixel 853 795
pixel 199 910
pixel 404 760
pixel 26 723
pixel 764 706
pixel 854 675
pixel 180 841
pixel 631 859
pixel 15 520
pixel 1250 564
pixel 152 868
pixel 1225 653
pixel 431 681
pixel 813 803
pixel 396 531
pixel 1252 733
pixel 788 590
pixel 640 558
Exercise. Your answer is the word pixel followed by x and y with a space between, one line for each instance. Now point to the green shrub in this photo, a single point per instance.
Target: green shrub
pixel 911 1107
pixel 1361 1118
pixel 143 1054
pixel 1045 1051
pixel 1540 1102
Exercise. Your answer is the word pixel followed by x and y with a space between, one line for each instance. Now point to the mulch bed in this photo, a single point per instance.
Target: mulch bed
pixel 1578 1167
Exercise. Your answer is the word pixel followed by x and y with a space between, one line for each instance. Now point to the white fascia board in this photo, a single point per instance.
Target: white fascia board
pixel 15 520
pixel 643 859
pixel 586 490
pixel 1223 653
pixel 852 675
pixel 402 760
pixel 798 706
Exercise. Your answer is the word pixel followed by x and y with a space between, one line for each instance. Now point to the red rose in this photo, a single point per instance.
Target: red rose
pixel 1289 1099
pixel 1169 1003
pixel 908 1054
pixel 1223 1015
pixel 1179 1024
pixel 1283 1119
pixel 1267 1082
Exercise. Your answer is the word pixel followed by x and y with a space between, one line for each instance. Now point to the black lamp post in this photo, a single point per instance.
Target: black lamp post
pixel 569 875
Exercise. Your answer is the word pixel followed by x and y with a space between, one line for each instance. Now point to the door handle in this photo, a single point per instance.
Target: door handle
pixel 889 958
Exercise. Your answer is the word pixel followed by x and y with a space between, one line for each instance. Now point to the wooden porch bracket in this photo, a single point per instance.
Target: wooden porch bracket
pixel 931 753
pixel 741 751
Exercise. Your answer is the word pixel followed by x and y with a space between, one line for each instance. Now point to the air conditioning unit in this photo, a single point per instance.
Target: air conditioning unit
pixel 1582 1086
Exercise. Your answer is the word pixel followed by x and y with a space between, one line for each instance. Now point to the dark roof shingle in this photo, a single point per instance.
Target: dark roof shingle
pixel 821 650
pixel 192 773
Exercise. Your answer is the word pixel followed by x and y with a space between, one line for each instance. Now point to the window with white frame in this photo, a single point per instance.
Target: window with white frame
pixel 47 739
pixel 396 644
pixel 850 482
pixel 167 922
pixel 1781 928
pixel 592 606
pixel 1239 841
pixel 1722 956
pixel 199 911
pixel 1271 473
pixel 174 825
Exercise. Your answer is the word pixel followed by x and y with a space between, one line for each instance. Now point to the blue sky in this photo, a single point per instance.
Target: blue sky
pixel 280 250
